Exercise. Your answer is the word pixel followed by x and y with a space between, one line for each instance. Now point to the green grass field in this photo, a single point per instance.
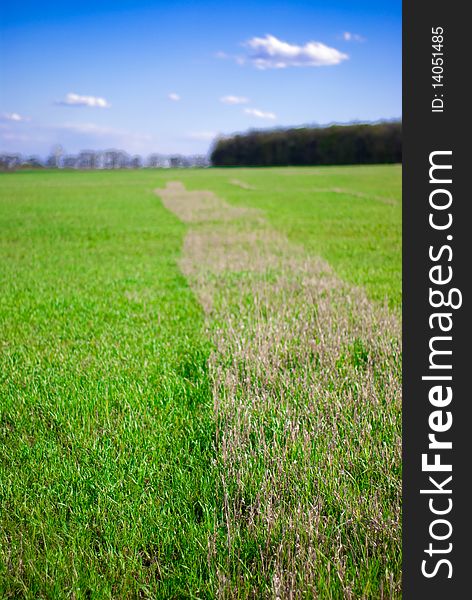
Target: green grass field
pixel 200 395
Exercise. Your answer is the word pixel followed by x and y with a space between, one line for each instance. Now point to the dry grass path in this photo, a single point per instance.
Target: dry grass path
pixel 306 378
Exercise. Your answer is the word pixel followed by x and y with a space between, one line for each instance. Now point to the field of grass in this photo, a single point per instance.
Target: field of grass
pixel 200 394
pixel 349 215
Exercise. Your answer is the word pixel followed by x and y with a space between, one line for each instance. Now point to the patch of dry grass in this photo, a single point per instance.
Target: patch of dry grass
pixel 242 184
pixel 306 376
pixel 198 207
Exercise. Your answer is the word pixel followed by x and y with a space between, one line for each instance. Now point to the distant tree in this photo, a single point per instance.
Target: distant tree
pixel 70 162
pixel 9 162
pixel 136 162
pixel 199 160
pixel 86 159
pixel 108 159
pixel 153 161
pixel 95 160
pixel 175 161
pixel 54 159
pixel 51 162
pixel 32 162
pixel 115 159
pixel 123 160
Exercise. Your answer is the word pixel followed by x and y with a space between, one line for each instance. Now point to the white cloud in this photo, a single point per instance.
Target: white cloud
pixel 174 97
pixel 203 136
pixel 14 117
pixel 234 100
pixel 271 53
pixel 73 99
pixel 260 114
pixel 352 37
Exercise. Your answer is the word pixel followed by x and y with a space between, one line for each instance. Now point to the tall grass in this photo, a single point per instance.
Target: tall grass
pixel 106 452
pixel 200 393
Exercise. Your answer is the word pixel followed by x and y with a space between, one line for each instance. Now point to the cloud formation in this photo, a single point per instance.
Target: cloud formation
pixel 271 53
pixel 352 37
pixel 260 114
pixel 13 117
pixel 234 100
pixel 174 97
pixel 73 99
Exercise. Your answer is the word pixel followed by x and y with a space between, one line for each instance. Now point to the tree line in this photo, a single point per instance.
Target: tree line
pixel 92 159
pixel 332 145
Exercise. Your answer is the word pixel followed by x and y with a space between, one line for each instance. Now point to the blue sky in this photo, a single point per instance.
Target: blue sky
pixel 168 76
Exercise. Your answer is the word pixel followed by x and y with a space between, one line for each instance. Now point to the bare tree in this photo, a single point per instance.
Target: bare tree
pixel 110 159
pixel 54 159
pixel 33 162
pixel 154 160
pixel 136 162
pixel 88 159
pixel 9 162
pixel 70 162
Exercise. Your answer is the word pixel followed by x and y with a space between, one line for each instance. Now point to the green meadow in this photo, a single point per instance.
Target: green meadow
pixel 116 480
